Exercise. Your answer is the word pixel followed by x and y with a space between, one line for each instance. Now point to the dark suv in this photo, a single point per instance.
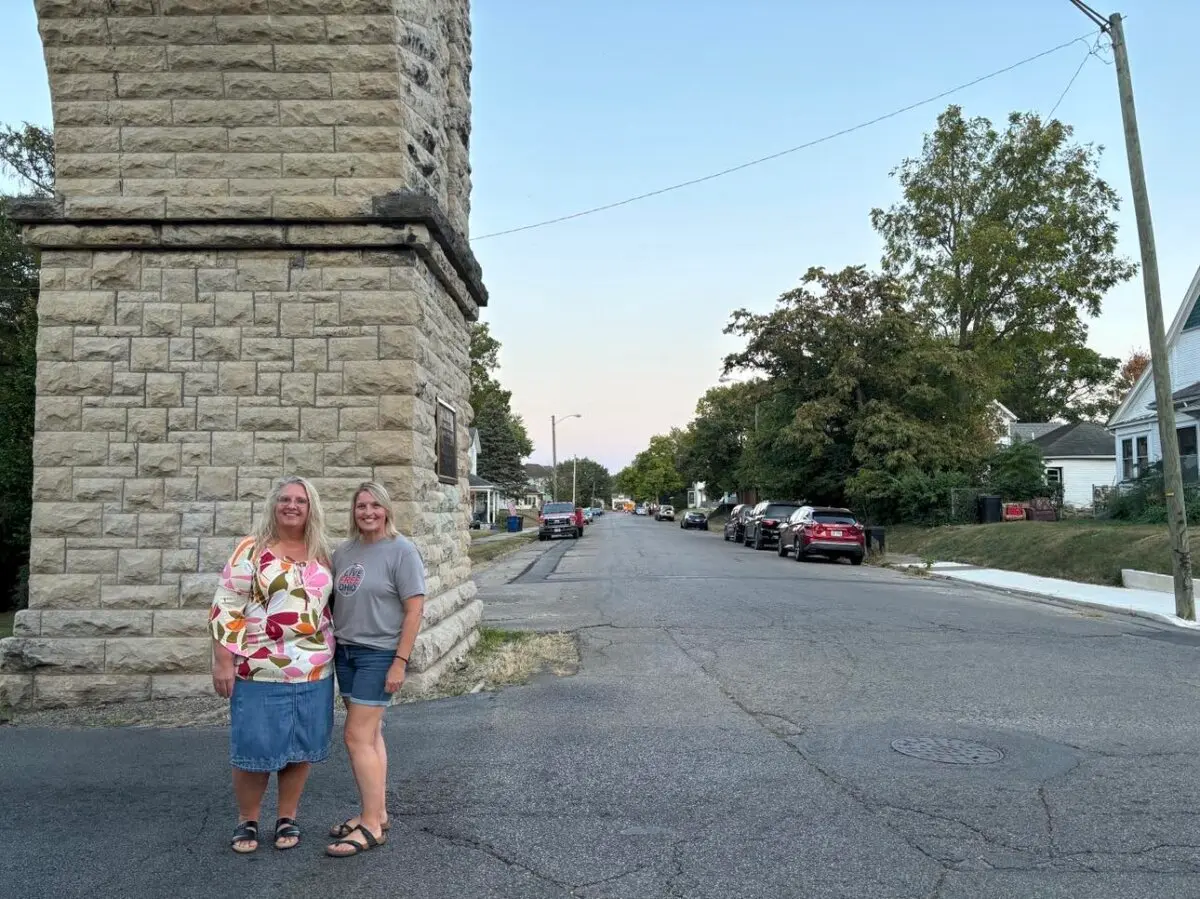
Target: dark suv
pixel 735 527
pixel 764 523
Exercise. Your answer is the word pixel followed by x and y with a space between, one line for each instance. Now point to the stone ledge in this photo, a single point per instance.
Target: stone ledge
pixel 422 682
pixel 401 219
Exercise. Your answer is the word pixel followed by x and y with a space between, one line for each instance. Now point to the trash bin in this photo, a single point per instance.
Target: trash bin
pixel 514 523
pixel 875 540
pixel 991 509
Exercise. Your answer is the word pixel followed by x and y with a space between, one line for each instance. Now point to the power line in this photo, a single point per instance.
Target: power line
pixel 790 150
pixel 1083 62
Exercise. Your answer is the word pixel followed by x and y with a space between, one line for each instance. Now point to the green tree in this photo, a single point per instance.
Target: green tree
pixel 592 481
pixel 654 475
pixel 27 153
pixel 854 383
pixel 723 424
pixel 1017 472
pixel 1008 239
pixel 503 440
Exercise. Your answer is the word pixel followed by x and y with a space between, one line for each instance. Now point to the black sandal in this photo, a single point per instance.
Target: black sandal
pixel 359 848
pixel 344 829
pixel 246 832
pixel 286 829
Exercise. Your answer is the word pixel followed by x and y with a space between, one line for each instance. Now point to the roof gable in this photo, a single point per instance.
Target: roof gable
pixel 1183 321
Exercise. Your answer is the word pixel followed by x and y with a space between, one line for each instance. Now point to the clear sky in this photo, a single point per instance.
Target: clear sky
pixel 618 315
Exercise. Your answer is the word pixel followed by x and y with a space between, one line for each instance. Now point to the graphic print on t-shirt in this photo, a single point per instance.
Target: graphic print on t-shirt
pixel 351 579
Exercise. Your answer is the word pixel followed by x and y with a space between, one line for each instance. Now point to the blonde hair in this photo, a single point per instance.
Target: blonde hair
pixel 380 495
pixel 316 541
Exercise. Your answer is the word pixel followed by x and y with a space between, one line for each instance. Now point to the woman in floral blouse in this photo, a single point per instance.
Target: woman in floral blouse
pixel 273 657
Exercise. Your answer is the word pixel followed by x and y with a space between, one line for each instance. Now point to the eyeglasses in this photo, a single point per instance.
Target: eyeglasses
pixel 292 501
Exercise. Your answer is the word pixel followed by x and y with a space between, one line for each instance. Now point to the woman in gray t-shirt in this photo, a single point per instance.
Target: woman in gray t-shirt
pixel 378 598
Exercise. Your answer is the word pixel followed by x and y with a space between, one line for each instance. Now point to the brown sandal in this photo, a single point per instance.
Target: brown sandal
pixel 344 829
pixel 359 848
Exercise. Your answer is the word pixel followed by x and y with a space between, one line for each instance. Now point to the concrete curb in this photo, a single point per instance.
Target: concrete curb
pixel 1067 603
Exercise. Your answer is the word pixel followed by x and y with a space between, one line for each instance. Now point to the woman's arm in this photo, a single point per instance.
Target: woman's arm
pixel 410 585
pixel 414 608
pixel 227 619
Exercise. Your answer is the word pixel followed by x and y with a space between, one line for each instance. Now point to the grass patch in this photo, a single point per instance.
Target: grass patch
pixel 504 658
pixel 6 624
pixel 492 638
pixel 1085 550
pixel 495 549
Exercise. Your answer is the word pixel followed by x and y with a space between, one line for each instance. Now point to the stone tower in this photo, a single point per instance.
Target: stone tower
pixel 255 264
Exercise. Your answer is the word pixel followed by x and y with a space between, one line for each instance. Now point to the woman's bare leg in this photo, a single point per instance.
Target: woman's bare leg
pixel 248 789
pixel 362 735
pixel 291 785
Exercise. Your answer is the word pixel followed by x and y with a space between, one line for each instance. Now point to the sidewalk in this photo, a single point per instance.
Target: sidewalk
pixel 1151 604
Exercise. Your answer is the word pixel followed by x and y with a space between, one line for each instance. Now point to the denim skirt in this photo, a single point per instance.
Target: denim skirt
pixel 274 724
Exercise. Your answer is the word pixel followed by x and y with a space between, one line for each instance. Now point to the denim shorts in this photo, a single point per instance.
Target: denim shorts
pixel 362 673
pixel 273 724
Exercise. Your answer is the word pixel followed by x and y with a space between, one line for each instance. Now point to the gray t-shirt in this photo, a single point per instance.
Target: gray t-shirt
pixel 371 582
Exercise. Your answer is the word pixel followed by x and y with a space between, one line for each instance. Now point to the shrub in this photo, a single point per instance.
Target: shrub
pixel 1017 472
pixel 912 497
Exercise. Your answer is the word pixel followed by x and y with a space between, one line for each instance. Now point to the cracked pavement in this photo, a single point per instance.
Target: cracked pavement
pixel 729 735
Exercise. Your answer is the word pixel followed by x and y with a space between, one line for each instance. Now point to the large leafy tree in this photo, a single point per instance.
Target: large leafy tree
pixel 591 480
pixel 28 154
pixel 725 418
pixel 1008 240
pixel 503 440
pixel 854 384
pixel 654 474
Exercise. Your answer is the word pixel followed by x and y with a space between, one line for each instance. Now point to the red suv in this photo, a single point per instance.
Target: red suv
pixel 824 531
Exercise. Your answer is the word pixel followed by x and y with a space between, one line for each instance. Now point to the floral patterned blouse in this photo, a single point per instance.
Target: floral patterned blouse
pixel 274 615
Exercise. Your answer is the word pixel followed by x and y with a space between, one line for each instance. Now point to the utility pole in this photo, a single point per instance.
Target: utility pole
pixel 1160 363
pixel 574 478
pixel 554 420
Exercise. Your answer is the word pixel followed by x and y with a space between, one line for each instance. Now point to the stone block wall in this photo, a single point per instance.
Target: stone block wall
pixel 258 108
pixel 255 265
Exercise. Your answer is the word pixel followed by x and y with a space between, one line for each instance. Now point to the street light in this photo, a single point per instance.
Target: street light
pixel 554 420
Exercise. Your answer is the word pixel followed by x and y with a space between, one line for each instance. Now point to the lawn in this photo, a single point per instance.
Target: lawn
pixel 6 624
pixel 1089 551
pixel 494 549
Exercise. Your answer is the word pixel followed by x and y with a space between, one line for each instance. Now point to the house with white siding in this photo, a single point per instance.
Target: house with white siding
pixel 1078 458
pixel 1134 426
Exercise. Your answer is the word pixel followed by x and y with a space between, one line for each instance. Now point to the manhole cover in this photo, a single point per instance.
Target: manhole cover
pixel 952 752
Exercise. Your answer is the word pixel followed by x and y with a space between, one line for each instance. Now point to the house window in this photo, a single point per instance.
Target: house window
pixel 1143 456
pixel 1127 459
pixel 1054 476
pixel 446 461
pixel 1187 454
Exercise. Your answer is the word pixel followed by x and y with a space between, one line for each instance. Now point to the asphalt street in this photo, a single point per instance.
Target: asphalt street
pixel 741 726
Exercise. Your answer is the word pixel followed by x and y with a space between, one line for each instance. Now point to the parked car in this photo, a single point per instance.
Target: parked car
pixel 588 515
pixel 735 527
pixel 559 520
pixel 694 520
pixel 764 522
pixel 640 510
pixel 665 513
pixel 824 531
